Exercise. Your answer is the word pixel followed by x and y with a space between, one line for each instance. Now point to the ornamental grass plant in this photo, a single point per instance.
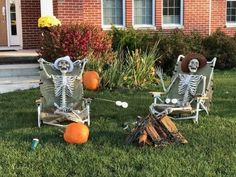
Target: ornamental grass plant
pixel 136 71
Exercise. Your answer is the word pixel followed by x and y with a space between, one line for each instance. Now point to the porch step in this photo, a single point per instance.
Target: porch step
pixel 18 57
pixel 10 84
pixel 19 70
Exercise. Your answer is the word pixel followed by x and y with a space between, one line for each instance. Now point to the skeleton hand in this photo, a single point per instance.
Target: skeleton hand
pixel 159 72
pixel 41 60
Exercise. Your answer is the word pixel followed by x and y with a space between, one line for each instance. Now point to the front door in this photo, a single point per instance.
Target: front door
pixel 10 23
pixel 14 22
pixel 3 24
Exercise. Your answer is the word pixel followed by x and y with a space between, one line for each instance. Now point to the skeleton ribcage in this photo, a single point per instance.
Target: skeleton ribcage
pixel 59 85
pixel 188 85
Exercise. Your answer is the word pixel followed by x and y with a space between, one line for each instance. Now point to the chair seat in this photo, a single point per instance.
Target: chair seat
pixel 175 108
pixel 57 118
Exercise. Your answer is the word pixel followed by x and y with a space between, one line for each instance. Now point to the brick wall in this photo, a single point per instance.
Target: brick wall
pixel 77 11
pixel 69 11
pixel 195 16
pixel 158 13
pixel 92 12
pixel 30 10
pixel 55 12
pixel 128 13
pixel 218 19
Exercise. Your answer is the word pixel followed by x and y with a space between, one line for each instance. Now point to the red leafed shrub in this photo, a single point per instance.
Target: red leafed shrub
pixel 77 41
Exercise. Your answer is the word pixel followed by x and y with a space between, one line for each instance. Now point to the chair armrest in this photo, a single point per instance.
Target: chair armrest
pixel 156 96
pixel 87 100
pixel 201 97
pixel 38 101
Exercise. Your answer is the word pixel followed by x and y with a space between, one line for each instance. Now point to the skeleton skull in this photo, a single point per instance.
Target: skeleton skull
pixel 63 65
pixel 193 65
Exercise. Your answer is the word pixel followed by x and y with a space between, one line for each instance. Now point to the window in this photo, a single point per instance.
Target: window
pixel 13 17
pixel 113 12
pixel 172 12
pixel 143 12
pixel 231 12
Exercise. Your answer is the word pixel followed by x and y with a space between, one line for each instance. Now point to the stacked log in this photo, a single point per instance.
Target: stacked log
pixel 156 131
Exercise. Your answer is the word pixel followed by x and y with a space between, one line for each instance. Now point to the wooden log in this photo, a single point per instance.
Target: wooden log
pixel 155 131
pixel 142 139
pixel 169 124
pixel 151 131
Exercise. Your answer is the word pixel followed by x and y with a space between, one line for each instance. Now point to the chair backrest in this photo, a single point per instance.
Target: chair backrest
pixel 206 71
pixel 48 92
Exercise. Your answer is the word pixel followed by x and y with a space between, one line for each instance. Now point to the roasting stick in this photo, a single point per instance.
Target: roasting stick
pixel 118 103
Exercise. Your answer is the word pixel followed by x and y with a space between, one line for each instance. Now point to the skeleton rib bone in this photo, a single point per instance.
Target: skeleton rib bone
pixel 188 86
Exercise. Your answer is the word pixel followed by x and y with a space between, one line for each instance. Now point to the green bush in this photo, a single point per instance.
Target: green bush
pixel 221 46
pixel 171 46
pixel 175 43
pixel 127 40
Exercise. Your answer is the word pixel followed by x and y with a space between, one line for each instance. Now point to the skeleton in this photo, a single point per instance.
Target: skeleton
pixel 188 83
pixel 63 84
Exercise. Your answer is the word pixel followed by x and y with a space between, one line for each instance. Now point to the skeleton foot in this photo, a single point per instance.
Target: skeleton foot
pixel 69 115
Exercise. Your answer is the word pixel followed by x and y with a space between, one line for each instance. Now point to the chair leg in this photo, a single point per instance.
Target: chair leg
pixel 197 113
pixel 88 110
pixel 195 121
pixel 39 115
pixel 204 107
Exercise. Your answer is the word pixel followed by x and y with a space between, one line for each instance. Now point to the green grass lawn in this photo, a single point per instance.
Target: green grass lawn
pixel 211 150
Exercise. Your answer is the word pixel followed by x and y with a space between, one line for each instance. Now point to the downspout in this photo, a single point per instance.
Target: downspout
pixel 210 11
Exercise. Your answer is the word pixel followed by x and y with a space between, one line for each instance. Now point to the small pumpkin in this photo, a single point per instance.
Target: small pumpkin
pixel 91 80
pixel 76 133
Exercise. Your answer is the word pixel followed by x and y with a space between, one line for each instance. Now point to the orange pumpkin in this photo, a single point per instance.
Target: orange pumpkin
pixel 91 80
pixel 76 133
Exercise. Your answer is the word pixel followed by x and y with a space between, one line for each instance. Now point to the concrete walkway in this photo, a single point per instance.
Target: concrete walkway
pixel 18 83
pixel 18 76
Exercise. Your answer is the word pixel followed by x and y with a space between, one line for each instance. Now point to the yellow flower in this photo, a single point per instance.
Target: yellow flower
pixel 48 21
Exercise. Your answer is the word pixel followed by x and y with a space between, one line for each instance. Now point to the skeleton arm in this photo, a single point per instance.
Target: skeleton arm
pixel 82 64
pixel 159 73
pixel 42 61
